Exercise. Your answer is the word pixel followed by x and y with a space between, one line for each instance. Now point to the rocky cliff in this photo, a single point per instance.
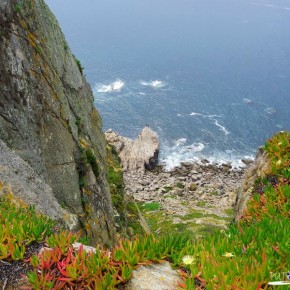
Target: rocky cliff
pixel 136 155
pixel 259 169
pixel 47 116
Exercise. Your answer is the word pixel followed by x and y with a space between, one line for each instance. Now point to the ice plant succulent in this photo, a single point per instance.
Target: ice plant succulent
pixel 188 260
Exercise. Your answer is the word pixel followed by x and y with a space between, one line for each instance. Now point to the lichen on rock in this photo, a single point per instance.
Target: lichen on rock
pixel 46 107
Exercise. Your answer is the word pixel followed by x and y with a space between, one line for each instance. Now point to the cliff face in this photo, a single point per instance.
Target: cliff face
pixel 260 168
pixel 47 114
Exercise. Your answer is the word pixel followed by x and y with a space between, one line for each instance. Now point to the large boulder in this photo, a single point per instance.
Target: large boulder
pixel 155 276
pixel 136 155
pixel 47 114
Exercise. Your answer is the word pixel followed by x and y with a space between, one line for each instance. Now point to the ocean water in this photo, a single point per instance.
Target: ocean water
pixel 212 77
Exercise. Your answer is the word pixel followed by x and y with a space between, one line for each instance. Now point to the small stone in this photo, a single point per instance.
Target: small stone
pixel 192 187
pixel 247 161
pixel 186 164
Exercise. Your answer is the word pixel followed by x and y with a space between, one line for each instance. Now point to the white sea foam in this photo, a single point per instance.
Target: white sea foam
pixel 180 141
pixel 204 115
pixel 156 84
pixel 179 152
pixel 277 7
pixel 196 114
pixel 112 87
pixel 247 101
pixel 173 156
pixel 271 6
pixel 222 128
pixel 270 111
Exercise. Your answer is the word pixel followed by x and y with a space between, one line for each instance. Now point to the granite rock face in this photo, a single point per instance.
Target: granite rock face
pixel 260 168
pixel 19 178
pixel 47 115
pixel 136 155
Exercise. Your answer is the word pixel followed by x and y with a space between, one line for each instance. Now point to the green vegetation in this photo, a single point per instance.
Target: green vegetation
pixel 18 7
pixel 129 219
pixel 150 206
pixel 65 46
pixel 278 149
pixel 20 226
pixel 78 62
pixel 92 160
pixel 179 185
pixel 214 193
pixel 167 189
pixel 201 203
pixel 230 211
pixel 247 255
pixel 78 123
pixel 38 49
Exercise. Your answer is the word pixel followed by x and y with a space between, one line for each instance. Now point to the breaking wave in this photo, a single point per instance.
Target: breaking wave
pixel 172 156
pixel 108 88
pixel 222 128
pixel 156 84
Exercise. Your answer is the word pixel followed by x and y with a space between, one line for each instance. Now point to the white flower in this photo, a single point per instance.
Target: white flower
pixel 187 260
pixel 228 255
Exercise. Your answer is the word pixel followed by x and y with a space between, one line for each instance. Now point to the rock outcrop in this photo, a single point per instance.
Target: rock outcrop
pixel 155 276
pixel 260 168
pixel 21 180
pixel 47 115
pixel 136 155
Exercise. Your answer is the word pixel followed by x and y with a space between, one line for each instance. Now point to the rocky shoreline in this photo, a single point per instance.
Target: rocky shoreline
pixel 206 187
pixel 194 194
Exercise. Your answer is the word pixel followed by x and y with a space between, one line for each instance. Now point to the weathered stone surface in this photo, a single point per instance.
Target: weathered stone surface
pixel 260 168
pixel 16 175
pixel 205 188
pixel 46 108
pixel 139 154
pixel 153 277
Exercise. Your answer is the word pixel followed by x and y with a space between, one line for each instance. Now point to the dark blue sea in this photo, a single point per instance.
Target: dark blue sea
pixel 212 77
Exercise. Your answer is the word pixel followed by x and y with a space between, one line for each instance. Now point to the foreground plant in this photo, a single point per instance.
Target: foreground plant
pixel 246 256
pixel 20 226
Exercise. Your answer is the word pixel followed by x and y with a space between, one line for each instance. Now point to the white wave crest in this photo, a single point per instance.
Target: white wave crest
pixel 180 141
pixel 175 155
pixel 196 114
pixel 156 84
pixel 180 152
pixel 112 87
pixel 247 101
pixel 270 111
pixel 222 128
pixel 205 115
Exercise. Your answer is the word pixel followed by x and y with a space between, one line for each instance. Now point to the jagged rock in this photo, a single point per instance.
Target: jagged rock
pixel 136 155
pixel 46 108
pixel 16 175
pixel 247 161
pixel 153 277
pixel 260 168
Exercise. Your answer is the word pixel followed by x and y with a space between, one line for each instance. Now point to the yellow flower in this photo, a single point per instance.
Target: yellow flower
pixel 228 255
pixel 187 260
